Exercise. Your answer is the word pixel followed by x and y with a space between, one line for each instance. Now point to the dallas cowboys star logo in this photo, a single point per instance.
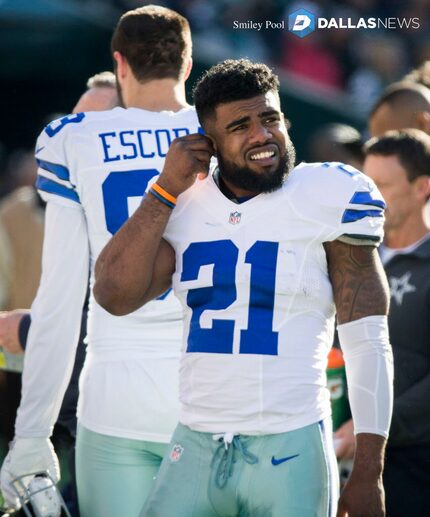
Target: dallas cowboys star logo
pixel 401 286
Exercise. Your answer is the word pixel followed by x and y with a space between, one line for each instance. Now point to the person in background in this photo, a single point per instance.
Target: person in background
pixel 22 216
pixel 21 231
pixel 20 170
pixel 419 75
pixel 100 95
pixel 402 105
pixel 93 170
pixel 399 163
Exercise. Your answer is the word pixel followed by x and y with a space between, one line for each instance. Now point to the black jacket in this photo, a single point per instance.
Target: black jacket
pixel 409 325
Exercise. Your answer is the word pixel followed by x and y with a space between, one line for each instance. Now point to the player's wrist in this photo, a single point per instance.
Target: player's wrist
pixel 371 471
pixel 172 187
pixel 162 195
pixel 369 455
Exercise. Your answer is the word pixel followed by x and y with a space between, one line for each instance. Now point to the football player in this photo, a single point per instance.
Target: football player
pixel 261 255
pixel 93 171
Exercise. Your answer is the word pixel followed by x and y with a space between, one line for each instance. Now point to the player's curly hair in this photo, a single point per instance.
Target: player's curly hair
pixel 229 81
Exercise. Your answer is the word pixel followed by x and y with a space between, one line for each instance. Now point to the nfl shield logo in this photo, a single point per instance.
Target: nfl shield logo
pixel 176 452
pixel 234 217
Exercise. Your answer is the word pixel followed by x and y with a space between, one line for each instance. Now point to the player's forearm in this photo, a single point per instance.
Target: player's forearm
pixel 124 268
pixel 125 278
pixel 363 493
pixel 369 454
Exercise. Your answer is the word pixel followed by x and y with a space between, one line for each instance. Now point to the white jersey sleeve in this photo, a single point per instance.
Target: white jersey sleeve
pixel 54 177
pixel 56 315
pixel 342 199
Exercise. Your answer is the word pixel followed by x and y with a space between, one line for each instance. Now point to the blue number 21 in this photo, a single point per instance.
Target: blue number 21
pixel 259 337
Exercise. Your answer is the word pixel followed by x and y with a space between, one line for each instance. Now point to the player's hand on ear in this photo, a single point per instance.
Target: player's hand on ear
pixel 188 157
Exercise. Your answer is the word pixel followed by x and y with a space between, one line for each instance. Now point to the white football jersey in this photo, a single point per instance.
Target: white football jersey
pixel 101 163
pixel 259 309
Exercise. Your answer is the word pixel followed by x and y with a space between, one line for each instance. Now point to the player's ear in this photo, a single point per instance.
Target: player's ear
pixel 422 185
pixel 208 126
pixel 212 139
pixel 287 123
pixel 121 64
pixel 188 69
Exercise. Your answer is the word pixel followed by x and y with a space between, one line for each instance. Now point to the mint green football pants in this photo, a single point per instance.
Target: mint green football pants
pixel 292 474
pixel 114 475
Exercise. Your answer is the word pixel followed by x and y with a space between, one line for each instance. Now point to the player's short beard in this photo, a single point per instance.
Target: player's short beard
pixel 258 182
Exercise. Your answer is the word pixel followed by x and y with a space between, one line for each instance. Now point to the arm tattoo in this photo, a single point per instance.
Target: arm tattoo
pixel 359 283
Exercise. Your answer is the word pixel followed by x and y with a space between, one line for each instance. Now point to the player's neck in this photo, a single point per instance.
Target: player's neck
pixel 407 234
pixel 231 191
pixel 156 95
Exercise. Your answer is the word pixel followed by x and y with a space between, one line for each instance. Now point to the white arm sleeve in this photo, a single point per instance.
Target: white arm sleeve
pixel 55 320
pixel 369 370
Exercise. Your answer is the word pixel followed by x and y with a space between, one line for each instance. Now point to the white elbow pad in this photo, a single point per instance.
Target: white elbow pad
pixel 369 370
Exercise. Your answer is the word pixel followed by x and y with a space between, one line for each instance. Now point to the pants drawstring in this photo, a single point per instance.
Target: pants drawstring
pixel 225 456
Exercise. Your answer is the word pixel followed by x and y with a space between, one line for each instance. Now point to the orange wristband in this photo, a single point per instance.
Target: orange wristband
pixel 163 193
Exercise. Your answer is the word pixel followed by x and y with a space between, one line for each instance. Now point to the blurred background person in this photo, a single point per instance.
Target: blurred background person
pixel 101 94
pixel 419 75
pixel 21 235
pixel 19 170
pixel 399 163
pixel 401 105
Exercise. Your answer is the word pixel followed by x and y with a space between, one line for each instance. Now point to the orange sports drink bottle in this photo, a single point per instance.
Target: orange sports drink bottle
pixel 336 383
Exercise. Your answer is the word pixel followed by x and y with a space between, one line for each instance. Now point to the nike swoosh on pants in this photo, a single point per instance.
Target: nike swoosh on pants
pixel 282 460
